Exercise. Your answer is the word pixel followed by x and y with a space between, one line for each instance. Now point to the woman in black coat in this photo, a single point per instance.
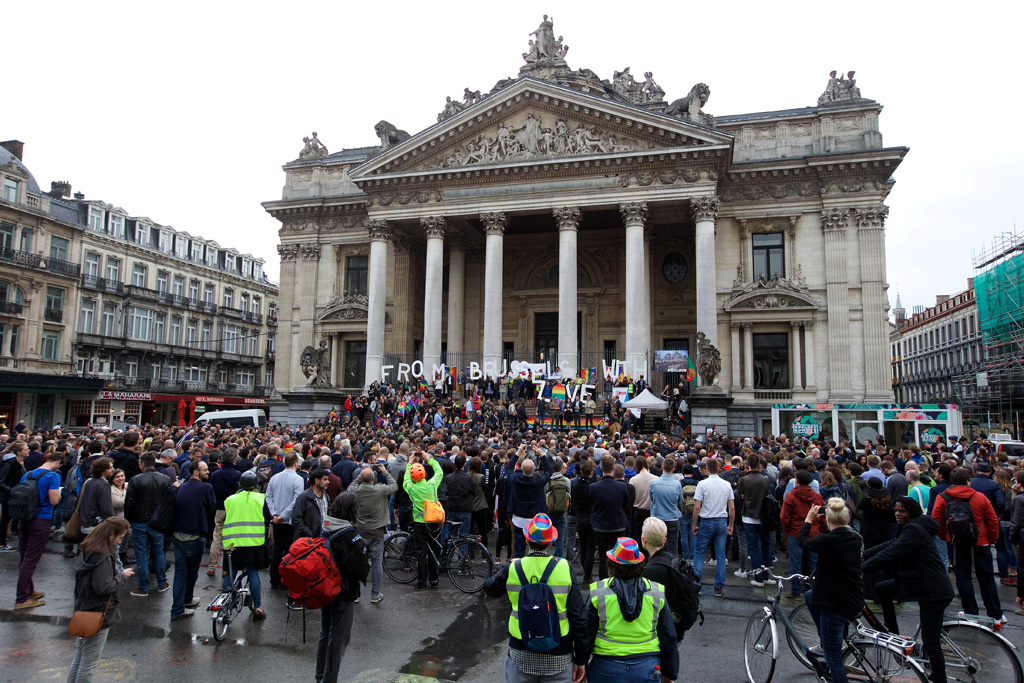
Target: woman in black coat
pixel 920 576
pixel 877 527
pixel 94 501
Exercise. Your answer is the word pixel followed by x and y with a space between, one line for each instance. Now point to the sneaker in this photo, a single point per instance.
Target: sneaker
pixel 163 587
pixel 740 574
pixel 183 615
pixel 68 554
pixel 769 582
pixel 211 572
pixel 295 606
pixel 30 603
pixel 1001 620
pixel 757 584
pixel 374 599
pixel 711 562
pixel 420 587
pixel 38 595
pixel 139 593
pixel 192 604
pixel 56 532
pixel 719 592
pixel 356 600
pixel 6 549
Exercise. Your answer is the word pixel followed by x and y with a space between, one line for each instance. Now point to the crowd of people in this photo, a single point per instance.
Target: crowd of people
pixel 866 521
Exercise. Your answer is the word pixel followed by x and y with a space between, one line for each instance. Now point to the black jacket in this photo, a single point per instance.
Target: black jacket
pixel 143 496
pixel 579 503
pixel 919 571
pixel 127 460
pixel 838 580
pixel 95 503
pixel 306 517
pixel 610 504
pixel 461 492
pixel 659 569
pixel 97 581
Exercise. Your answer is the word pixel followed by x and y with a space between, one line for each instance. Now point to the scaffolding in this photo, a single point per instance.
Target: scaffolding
pixel 991 391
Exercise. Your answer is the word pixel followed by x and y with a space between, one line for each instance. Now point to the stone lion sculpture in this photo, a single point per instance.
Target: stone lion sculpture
pixel 389 135
pixel 690 106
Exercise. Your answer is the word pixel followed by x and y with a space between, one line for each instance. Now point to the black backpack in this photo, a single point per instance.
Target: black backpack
pixel 25 500
pixel 685 602
pixel 959 517
pixel 538 612
pixel 771 513
pixel 354 563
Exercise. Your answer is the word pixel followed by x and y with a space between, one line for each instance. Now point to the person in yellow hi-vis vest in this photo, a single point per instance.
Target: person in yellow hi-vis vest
pixel 545 636
pixel 246 519
pixel 629 623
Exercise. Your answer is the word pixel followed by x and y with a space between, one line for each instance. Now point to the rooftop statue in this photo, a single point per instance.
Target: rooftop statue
pixel 840 90
pixel 314 149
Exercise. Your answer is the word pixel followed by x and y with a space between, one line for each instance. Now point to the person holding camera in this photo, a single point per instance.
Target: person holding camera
pixel 372 519
pixel 421 489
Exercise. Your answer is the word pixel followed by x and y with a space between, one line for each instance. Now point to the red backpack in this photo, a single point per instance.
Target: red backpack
pixel 310 574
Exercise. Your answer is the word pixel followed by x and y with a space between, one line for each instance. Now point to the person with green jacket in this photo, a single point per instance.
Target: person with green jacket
pixel 421 489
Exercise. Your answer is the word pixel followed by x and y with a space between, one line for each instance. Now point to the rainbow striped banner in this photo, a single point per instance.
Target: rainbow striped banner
pixel 558 392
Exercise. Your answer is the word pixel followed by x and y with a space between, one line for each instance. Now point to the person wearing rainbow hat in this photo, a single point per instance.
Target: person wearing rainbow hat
pixel 629 623
pixel 564 663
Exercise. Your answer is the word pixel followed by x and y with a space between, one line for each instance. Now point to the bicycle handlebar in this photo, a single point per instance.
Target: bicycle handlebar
pixel 781 578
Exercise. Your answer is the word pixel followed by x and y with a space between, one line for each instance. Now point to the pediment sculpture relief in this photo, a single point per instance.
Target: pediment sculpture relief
pixel 778 292
pixel 346 307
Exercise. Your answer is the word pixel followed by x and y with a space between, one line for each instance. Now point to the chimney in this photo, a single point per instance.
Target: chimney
pixel 79 195
pixel 15 147
pixel 941 299
pixel 59 188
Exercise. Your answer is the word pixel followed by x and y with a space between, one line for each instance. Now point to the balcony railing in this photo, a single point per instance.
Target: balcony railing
pixel 772 395
pixel 53 315
pixel 10 308
pixel 272 320
pixel 62 267
pixel 142 292
pixel 271 355
pixel 102 284
pixel 20 258
pixel 182 386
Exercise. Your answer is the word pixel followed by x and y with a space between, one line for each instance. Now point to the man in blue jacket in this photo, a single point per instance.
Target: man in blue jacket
pixel 195 508
pixel 982 482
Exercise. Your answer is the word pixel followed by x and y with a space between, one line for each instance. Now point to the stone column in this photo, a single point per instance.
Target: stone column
pixel 402 277
pixel 494 264
pixel 287 365
pixel 748 356
pixel 735 381
pixel 809 382
pixel 456 297
pixel 833 224
pixel 637 340
pixel 705 211
pixel 795 362
pixel 380 235
pixel 568 219
pixel 434 227
pixel 871 231
pixel 334 341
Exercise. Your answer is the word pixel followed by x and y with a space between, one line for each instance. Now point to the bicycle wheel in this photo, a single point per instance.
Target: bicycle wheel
pixel 976 654
pixel 220 626
pixel 576 549
pixel 469 565
pixel 399 562
pixel 759 649
pixel 867 662
pixel 803 624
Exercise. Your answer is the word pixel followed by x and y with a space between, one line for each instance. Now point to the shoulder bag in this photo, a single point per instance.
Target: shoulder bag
pixel 85 624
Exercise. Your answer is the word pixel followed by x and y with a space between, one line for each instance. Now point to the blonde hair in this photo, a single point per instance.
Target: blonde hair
pixel 654 533
pixel 836 512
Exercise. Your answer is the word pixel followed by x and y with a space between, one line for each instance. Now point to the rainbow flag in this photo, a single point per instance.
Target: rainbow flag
pixel 558 392
pixel 592 376
pixel 454 374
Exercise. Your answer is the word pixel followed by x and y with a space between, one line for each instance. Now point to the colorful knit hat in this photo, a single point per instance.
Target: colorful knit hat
pixel 540 530
pixel 625 551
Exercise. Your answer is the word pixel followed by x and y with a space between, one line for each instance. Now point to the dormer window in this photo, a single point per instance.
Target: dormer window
pixel 10 190
pixel 95 219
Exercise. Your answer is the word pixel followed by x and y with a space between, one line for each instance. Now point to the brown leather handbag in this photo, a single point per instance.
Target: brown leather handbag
pixel 73 529
pixel 85 624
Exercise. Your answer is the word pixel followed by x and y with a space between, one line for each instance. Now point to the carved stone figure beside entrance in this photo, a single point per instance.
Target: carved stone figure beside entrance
pixel 709 360
pixel 316 365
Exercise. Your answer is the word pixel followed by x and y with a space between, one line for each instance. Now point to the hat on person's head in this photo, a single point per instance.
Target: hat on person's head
pixel 540 530
pixel 982 466
pixel 875 483
pixel 626 551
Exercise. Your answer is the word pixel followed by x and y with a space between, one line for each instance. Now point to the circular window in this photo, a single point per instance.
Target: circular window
pixel 674 268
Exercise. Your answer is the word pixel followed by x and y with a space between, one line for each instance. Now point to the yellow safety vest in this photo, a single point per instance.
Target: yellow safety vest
pixel 560 581
pixel 243 520
pixel 617 637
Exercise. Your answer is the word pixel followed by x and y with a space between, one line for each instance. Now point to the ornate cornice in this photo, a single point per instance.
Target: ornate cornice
pixel 494 223
pixel 403 198
pixel 568 217
pixel 871 219
pixel 434 226
pixel 834 220
pixel 379 230
pixel 704 208
pixel 634 213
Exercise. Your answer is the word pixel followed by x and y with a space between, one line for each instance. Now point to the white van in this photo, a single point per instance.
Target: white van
pixel 233 419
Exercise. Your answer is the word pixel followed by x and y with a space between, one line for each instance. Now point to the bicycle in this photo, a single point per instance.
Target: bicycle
pixel 465 559
pixel 973 649
pixel 229 603
pixel 868 656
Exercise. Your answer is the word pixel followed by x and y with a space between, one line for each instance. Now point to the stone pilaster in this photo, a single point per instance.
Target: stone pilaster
pixel 494 260
pixel 748 356
pixel 796 360
pixel 637 335
pixel 434 227
pixel 871 234
pixel 833 224
pixel 705 212
pixel 380 235
pixel 287 350
pixel 456 296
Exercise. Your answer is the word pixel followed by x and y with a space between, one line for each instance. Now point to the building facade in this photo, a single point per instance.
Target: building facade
pixel 932 347
pixel 565 219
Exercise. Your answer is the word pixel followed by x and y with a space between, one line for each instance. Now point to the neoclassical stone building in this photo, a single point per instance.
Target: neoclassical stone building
pixel 565 218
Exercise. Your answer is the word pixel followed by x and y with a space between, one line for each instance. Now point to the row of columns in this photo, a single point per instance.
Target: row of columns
pixel 634 215
pixel 800 379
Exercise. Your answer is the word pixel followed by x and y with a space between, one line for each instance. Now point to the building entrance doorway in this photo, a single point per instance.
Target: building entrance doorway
pixel 545 335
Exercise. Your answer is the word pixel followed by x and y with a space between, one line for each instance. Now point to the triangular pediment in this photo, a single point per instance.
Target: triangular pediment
pixel 536 122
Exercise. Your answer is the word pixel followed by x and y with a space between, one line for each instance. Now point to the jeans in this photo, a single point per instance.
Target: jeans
pixel 672 538
pixel 605 542
pixel 335 631
pixel 711 530
pixel 254 581
pixel 376 550
pixel 831 626
pixel 796 560
pixel 217 545
pixel 404 517
pixel 570 536
pixel 635 669
pixel 757 544
pixel 188 555
pixel 981 556
pixel 5 522
pixel 1005 558
pixel 283 534
pixel 514 675
pixel 460 522
pixel 558 521
pixel 518 541
pixel 32 538
pixel 741 544
pixel 686 537
pixel 940 545
pixel 144 538
pixel 87 656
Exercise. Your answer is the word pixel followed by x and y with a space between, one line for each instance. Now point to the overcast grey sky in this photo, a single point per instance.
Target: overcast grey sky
pixel 185 112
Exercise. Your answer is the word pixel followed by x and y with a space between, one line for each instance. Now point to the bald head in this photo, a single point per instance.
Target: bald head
pixel 528 467
pixel 366 475
pixel 325 462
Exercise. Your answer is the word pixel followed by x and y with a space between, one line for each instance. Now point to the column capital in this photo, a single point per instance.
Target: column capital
pixel 310 251
pixel 834 220
pixel 792 225
pixel 871 219
pixel 735 326
pixel 434 226
pixel 634 213
pixel 747 326
pixel 494 223
pixel 796 324
pixel 704 208
pixel 567 217
pixel 288 252
pixel 379 230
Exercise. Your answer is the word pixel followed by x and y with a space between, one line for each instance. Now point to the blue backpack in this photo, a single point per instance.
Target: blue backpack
pixel 538 611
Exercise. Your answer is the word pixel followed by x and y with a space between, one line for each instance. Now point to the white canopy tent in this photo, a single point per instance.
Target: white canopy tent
pixel 645 400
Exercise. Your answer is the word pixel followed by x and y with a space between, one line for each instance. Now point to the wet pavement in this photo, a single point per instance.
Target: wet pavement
pixel 409 637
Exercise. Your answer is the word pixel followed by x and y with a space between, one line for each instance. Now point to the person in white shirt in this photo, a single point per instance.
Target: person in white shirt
pixel 713 515
pixel 282 490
